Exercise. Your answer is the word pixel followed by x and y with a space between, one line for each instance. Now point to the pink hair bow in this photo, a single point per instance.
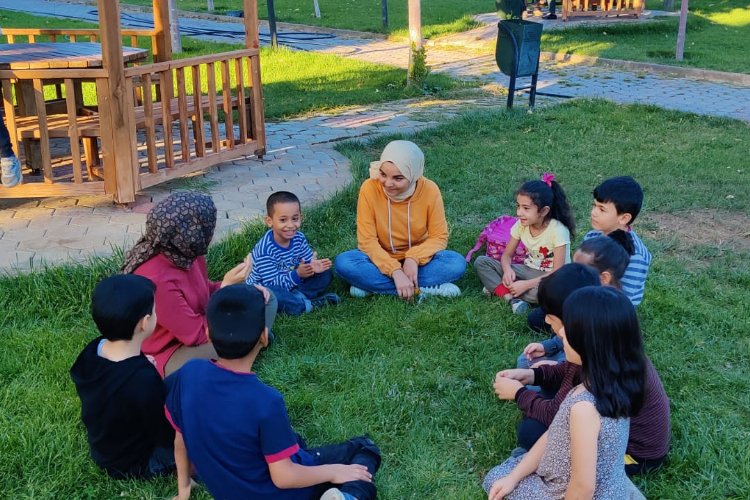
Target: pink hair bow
pixel 547 178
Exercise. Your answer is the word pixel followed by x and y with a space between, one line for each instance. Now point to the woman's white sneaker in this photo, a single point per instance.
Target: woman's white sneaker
pixel 444 290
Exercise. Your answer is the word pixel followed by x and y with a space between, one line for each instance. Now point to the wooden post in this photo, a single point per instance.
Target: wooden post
pixel 116 110
pixel 415 32
pixel 163 49
pixel 680 52
pixel 252 37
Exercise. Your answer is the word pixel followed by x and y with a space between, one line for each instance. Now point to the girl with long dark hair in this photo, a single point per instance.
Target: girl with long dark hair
pixel 581 455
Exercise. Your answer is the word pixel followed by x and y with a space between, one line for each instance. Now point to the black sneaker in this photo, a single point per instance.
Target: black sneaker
pixel 549 16
pixel 327 299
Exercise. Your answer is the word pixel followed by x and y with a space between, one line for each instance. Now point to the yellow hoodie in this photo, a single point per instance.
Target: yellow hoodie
pixel 390 231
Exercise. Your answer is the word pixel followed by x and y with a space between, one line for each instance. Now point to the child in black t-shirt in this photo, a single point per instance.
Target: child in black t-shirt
pixel 122 394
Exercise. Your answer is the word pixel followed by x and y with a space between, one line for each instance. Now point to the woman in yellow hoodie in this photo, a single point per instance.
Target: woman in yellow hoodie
pixel 401 232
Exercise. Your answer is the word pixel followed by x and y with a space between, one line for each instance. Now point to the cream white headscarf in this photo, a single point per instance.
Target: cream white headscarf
pixel 409 160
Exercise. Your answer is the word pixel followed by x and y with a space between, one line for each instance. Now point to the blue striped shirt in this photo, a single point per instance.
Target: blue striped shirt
pixel 276 266
pixel 634 280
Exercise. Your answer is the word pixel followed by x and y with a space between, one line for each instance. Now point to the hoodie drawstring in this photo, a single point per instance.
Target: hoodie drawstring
pixel 408 224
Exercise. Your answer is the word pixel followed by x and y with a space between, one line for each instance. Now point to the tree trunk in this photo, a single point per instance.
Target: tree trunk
pixel 680 52
pixel 210 6
pixel 415 33
pixel 668 5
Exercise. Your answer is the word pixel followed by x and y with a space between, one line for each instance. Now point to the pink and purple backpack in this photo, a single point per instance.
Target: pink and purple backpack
pixel 496 235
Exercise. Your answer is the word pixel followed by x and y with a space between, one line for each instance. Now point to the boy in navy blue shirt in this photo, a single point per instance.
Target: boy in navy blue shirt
pixel 235 429
pixel 284 262
pixel 122 394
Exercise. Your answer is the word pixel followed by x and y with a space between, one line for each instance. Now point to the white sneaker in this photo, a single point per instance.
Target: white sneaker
pixel 444 290
pixel 336 494
pixel 486 292
pixel 519 306
pixel 358 292
pixel 11 171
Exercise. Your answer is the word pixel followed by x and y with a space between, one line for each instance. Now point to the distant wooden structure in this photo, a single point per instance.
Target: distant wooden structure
pixel 150 123
pixel 601 8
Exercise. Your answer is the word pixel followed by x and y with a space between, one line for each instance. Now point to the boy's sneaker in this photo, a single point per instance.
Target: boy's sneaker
pixel 11 171
pixel 519 306
pixel 358 292
pixel 327 299
pixel 336 494
pixel 444 290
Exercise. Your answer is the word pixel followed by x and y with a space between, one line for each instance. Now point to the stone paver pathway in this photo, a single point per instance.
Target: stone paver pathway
pixel 301 158
pixel 301 154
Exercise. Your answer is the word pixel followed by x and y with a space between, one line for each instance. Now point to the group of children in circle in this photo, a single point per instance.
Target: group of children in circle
pixel 594 408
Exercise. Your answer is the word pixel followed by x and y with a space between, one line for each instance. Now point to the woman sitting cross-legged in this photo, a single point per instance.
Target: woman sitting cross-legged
pixel 402 232
pixel 172 254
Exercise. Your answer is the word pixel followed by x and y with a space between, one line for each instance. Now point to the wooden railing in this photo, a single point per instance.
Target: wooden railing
pixel 196 112
pixel 601 8
pixel 74 124
pixel 182 116
pixel 29 35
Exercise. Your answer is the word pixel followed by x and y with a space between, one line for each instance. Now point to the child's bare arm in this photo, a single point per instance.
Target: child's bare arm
pixel 286 474
pixel 584 432
pixel 182 462
pixel 558 260
pixel 508 275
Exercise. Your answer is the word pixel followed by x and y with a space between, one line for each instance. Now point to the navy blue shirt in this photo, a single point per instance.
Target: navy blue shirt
pixel 233 425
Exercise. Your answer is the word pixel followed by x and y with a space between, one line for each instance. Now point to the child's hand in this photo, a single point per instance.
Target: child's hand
pixel 534 350
pixel 523 375
pixel 501 488
pixel 518 288
pixel 305 270
pixel 411 270
pixel 265 292
pixel 320 265
pixel 506 388
pixel 509 277
pixel 341 473
pixel 238 274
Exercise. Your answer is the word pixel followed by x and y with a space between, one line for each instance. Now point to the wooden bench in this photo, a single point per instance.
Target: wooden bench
pixel 87 127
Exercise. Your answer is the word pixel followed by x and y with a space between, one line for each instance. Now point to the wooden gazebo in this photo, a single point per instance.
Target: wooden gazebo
pixel 149 123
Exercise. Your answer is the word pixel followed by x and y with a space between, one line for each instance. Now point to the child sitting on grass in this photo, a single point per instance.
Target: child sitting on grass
pixel 235 429
pixel 648 443
pixel 284 263
pixel 581 455
pixel 617 202
pixel 553 290
pixel 609 256
pixel 122 394
pixel 545 226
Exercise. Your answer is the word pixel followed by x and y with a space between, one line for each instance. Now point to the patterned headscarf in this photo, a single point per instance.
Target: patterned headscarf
pixel 180 227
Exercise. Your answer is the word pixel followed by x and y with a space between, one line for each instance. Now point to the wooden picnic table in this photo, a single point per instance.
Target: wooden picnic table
pixel 53 55
pixel 44 56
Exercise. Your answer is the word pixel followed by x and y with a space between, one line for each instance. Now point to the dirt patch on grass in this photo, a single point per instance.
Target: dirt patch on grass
pixel 725 230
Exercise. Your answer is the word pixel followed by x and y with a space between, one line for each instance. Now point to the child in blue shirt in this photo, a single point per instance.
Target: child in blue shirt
pixel 235 429
pixel 617 202
pixel 284 262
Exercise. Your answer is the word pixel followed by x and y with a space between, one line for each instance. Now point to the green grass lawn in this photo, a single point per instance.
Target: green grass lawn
pixel 417 377
pixel 718 37
pixel 294 82
pixel 438 16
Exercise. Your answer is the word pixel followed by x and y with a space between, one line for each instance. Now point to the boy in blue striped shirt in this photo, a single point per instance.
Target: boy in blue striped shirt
pixel 617 202
pixel 284 262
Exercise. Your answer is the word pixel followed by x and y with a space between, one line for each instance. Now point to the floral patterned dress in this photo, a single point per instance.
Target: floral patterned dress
pixel 552 477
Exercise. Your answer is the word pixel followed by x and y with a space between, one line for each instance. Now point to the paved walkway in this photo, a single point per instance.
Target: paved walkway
pixel 301 154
